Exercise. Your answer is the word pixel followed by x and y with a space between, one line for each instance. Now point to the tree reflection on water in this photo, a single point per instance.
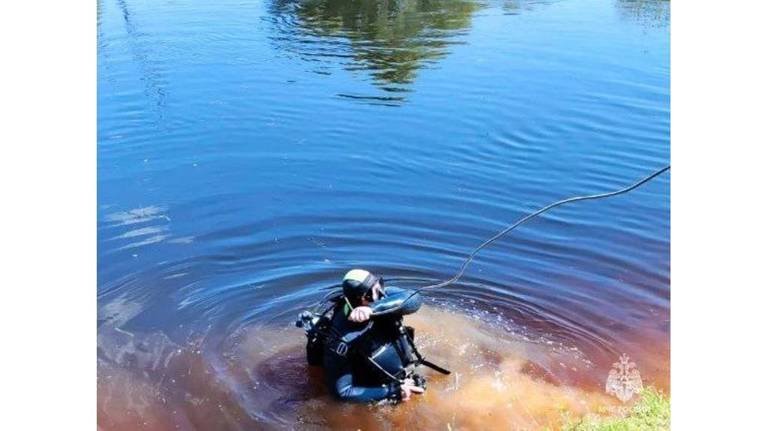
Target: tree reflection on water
pixel 390 40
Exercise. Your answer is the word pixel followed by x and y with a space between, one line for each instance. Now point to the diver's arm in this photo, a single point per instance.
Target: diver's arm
pixel 398 301
pixel 346 391
pixel 340 380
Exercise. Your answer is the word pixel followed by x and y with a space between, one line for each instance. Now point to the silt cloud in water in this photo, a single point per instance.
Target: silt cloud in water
pixel 260 379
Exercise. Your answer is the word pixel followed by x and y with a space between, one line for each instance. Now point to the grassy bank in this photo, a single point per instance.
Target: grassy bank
pixel 651 412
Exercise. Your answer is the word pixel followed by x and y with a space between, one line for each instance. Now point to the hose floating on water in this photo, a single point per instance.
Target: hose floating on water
pixel 506 230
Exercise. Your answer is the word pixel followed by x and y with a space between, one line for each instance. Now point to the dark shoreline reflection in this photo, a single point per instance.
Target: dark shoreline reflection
pixel 388 40
pixel 142 55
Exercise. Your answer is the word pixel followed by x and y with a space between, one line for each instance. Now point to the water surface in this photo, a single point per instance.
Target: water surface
pixel 250 152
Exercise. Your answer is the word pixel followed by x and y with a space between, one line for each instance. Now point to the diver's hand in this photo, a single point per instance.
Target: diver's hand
pixel 407 388
pixel 360 314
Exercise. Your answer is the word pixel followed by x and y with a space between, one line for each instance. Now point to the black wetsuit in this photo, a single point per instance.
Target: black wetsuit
pixel 350 376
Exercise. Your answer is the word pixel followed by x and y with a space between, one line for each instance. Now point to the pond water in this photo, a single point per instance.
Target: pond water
pixel 251 152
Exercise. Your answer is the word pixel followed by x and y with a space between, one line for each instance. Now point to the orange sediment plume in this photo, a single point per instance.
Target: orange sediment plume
pixel 499 381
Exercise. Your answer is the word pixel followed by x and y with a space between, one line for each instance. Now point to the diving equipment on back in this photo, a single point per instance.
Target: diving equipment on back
pixel 393 354
pixel 369 359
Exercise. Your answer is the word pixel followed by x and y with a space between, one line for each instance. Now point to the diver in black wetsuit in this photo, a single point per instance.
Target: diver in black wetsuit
pixel 367 353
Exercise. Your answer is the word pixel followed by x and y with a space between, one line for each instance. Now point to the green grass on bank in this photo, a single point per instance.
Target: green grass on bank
pixel 651 412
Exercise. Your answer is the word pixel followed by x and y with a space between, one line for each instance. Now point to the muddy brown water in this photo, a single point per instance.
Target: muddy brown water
pixel 500 380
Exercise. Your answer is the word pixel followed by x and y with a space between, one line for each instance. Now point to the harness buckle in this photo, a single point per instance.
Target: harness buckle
pixel 342 348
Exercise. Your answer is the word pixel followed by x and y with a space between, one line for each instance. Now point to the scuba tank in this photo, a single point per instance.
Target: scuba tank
pixel 315 326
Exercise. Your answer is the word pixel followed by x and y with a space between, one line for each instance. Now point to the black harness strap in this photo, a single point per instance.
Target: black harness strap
pixel 420 359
